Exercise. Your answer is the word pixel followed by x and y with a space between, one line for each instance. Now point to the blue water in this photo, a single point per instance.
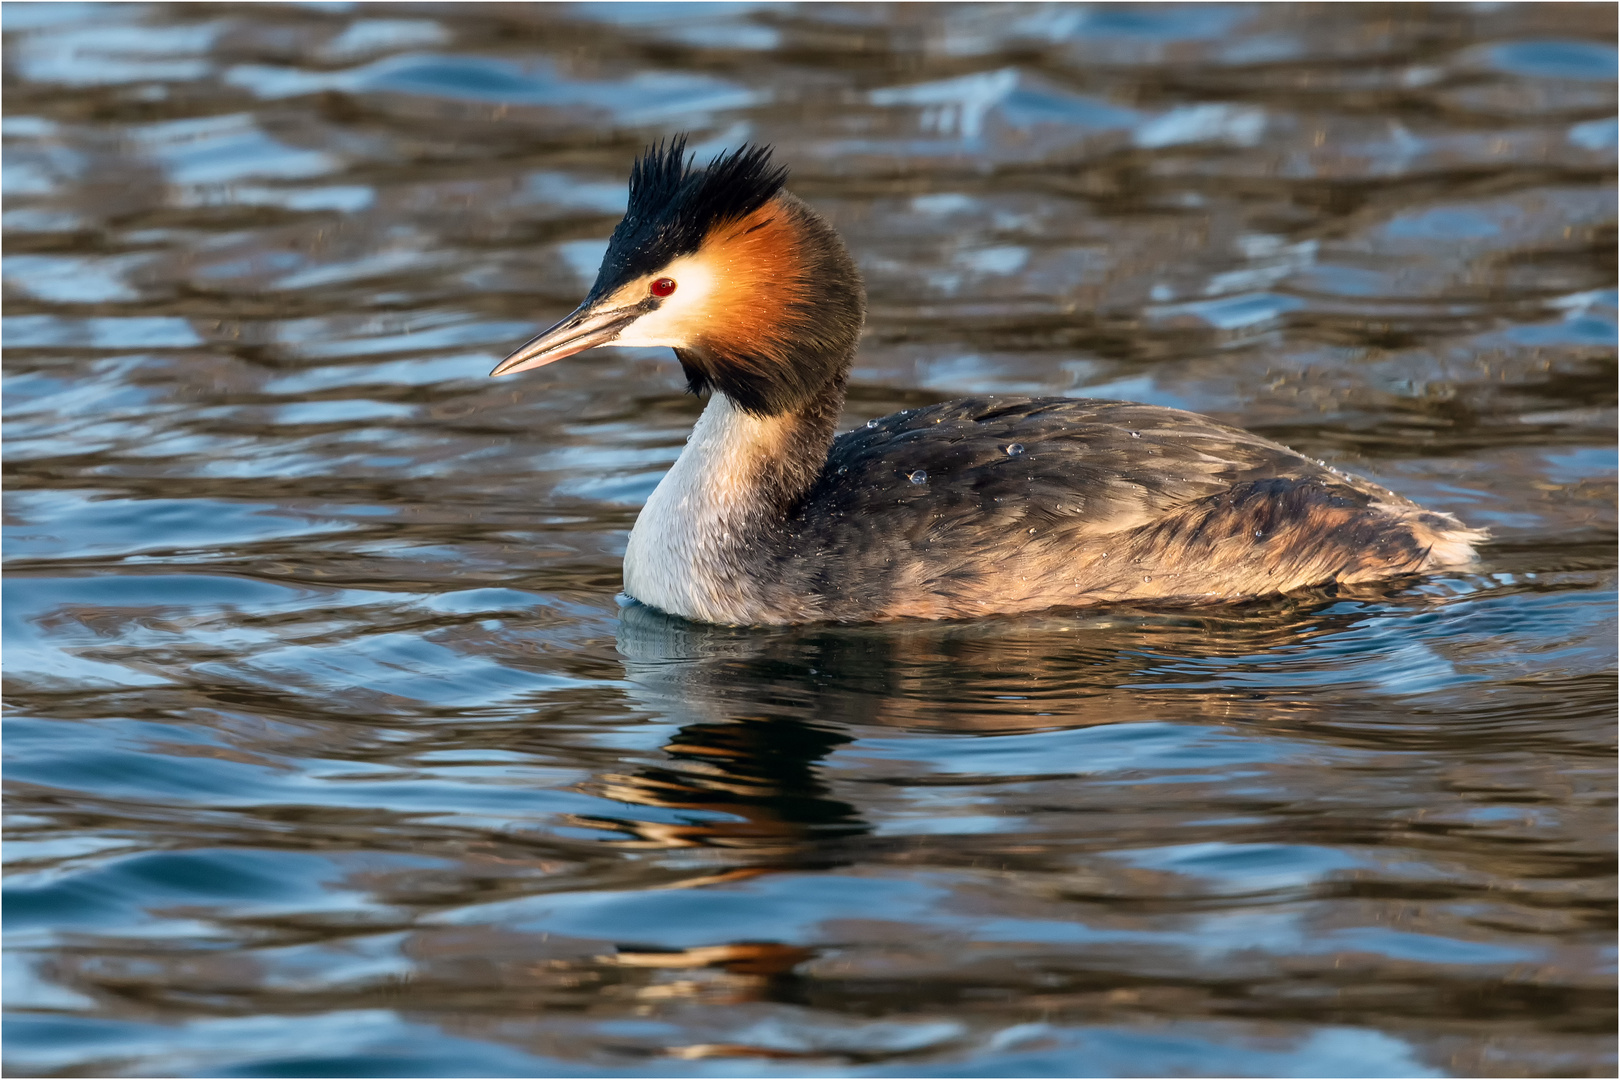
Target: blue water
pixel 330 750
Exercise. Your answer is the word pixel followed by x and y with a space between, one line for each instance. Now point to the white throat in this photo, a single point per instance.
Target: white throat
pixel 684 552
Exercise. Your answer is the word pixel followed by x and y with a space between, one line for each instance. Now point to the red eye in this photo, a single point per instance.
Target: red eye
pixel 663 286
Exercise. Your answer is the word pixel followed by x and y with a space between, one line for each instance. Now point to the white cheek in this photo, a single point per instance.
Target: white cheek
pixel 661 327
pixel 680 316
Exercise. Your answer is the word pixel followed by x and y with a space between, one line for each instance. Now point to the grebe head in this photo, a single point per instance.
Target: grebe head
pixel 751 288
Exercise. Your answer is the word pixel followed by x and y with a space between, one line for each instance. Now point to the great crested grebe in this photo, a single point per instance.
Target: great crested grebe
pixel 970 507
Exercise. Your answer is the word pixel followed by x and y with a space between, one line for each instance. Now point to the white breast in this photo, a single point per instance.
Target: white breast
pixel 682 556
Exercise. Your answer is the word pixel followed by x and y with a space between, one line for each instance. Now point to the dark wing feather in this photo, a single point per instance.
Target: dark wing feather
pixel 957 500
pixel 1090 467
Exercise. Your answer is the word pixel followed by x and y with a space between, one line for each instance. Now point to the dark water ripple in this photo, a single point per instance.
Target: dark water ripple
pixel 329 751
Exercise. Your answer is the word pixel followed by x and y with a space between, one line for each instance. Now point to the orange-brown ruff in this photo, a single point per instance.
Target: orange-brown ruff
pixel 967 508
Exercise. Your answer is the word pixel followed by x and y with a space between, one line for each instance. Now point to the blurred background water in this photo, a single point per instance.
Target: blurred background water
pixel 329 751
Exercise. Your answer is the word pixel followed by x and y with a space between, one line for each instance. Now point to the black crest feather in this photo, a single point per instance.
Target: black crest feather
pixel 674 206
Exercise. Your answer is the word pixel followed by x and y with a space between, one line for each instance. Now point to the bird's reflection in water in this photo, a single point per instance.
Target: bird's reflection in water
pixel 758 710
pixel 744 790
pixel 742 773
pixel 750 784
pixel 742 779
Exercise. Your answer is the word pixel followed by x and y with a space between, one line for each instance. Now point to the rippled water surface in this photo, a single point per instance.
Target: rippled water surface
pixel 330 751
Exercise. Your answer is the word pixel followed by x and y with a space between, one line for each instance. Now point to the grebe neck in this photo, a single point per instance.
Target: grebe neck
pixel 696 547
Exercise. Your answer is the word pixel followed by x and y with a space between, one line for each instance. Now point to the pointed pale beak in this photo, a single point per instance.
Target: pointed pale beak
pixel 585 329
